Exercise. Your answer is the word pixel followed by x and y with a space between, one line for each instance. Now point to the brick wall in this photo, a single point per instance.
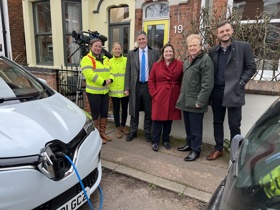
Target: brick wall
pixel 17 31
pixel 138 20
pixel 252 8
pixel 47 74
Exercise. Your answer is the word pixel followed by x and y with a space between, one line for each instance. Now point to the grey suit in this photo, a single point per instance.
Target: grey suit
pixel 135 88
pixel 239 67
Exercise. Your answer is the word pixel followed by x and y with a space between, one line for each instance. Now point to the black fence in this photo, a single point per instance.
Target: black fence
pixel 70 84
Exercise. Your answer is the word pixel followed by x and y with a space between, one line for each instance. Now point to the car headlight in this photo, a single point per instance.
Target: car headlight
pixel 88 127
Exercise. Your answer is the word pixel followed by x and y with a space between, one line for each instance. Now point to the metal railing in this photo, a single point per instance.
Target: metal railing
pixel 69 84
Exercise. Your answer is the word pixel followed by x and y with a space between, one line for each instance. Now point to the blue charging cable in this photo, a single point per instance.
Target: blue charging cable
pixel 82 185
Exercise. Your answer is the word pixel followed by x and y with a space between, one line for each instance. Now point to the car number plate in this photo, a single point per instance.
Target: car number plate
pixel 75 202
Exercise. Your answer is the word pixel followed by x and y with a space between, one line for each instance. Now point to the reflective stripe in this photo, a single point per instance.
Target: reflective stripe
pixel 93 61
pixel 101 70
pixel 97 88
pixel 87 67
pixel 116 92
pixel 119 75
pixel 95 78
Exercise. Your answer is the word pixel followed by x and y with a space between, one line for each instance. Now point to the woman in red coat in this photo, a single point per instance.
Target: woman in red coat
pixel 164 87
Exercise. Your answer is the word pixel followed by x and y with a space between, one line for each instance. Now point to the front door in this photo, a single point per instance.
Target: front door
pixel 157 32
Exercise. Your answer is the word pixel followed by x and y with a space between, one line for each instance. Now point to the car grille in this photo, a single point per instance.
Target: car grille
pixel 58 201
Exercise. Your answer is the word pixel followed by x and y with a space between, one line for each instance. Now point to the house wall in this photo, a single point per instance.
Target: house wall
pixel 255 106
pixel 17 31
pixel 12 30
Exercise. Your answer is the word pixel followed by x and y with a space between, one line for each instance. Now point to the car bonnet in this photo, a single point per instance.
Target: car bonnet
pixel 26 127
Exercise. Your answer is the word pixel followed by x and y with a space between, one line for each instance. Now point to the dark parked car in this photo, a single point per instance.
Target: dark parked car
pixel 253 180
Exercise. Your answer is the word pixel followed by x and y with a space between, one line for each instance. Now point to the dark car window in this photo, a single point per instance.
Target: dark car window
pixel 259 161
pixel 16 83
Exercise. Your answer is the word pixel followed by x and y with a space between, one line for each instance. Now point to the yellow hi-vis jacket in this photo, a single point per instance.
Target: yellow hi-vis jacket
pixel 118 70
pixel 96 72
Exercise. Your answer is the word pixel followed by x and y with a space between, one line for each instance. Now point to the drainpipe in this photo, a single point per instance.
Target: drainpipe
pixel 3 28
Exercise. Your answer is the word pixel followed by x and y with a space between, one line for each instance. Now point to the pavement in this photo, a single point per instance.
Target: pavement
pixel 166 168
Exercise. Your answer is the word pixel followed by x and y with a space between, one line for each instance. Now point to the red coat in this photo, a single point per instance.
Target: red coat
pixel 164 87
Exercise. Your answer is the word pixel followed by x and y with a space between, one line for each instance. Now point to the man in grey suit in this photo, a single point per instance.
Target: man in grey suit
pixel 234 66
pixel 138 66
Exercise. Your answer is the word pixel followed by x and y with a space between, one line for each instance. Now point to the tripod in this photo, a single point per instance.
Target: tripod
pixel 78 88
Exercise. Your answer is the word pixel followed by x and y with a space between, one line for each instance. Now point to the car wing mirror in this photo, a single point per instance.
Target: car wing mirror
pixel 43 81
pixel 234 147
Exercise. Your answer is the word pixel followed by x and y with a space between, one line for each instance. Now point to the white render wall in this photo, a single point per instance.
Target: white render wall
pixel 255 106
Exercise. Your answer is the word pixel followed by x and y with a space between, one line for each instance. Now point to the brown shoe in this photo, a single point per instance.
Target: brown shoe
pixel 125 130
pixel 214 155
pixel 119 133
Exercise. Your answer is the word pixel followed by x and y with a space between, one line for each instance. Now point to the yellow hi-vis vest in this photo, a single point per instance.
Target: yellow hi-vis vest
pixel 95 73
pixel 118 66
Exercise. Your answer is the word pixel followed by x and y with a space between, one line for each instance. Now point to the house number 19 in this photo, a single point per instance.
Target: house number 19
pixel 178 29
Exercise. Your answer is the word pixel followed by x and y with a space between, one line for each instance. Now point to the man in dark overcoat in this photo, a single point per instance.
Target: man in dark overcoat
pixel 138 66
pixel 234 65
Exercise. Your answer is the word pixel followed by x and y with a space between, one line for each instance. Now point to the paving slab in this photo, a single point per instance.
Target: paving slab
pixel 165 168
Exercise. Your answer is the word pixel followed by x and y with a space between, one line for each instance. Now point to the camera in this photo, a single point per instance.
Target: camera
pixel 83 39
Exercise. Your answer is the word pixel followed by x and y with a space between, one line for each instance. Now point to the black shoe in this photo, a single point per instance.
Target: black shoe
pixel 167 145
pixel 155 147
pixel 184 148
pixel 148 137
pixel 192 156
pixel 131 136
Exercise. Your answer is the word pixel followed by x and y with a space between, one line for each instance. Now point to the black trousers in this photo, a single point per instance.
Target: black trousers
pixel 234 118
pixel 99 105
pixel 194 128
pixel 161 128
pixel 142 98
pixel 117 103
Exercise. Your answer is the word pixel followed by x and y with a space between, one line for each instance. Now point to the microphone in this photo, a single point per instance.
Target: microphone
pixel 102 38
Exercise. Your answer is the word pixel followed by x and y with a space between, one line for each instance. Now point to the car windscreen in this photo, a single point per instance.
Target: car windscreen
pixel 259 161
pixel 18 85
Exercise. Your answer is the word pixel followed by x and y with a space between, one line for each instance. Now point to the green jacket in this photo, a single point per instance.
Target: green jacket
pixel 197 84
pixel 118 70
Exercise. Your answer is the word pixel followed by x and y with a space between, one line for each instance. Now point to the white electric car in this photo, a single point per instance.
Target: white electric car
pixel 41 133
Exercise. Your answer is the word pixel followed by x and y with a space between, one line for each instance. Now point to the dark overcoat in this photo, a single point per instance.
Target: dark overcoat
pixel 164 87
pixel 239 69
pixel 132 73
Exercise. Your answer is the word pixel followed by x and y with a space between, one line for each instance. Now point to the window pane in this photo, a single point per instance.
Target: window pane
pixel 43 17
pixel 72 16
pixel 157 10
pixel 73 50
pixel 45 49
pixel 116 34
pixel 125 40
pixel 250 9
pixel 155 35
pixel 72 22
pixel 119 14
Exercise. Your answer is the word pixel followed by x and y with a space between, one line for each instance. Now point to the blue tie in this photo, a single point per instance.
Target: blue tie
pixel 143 67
